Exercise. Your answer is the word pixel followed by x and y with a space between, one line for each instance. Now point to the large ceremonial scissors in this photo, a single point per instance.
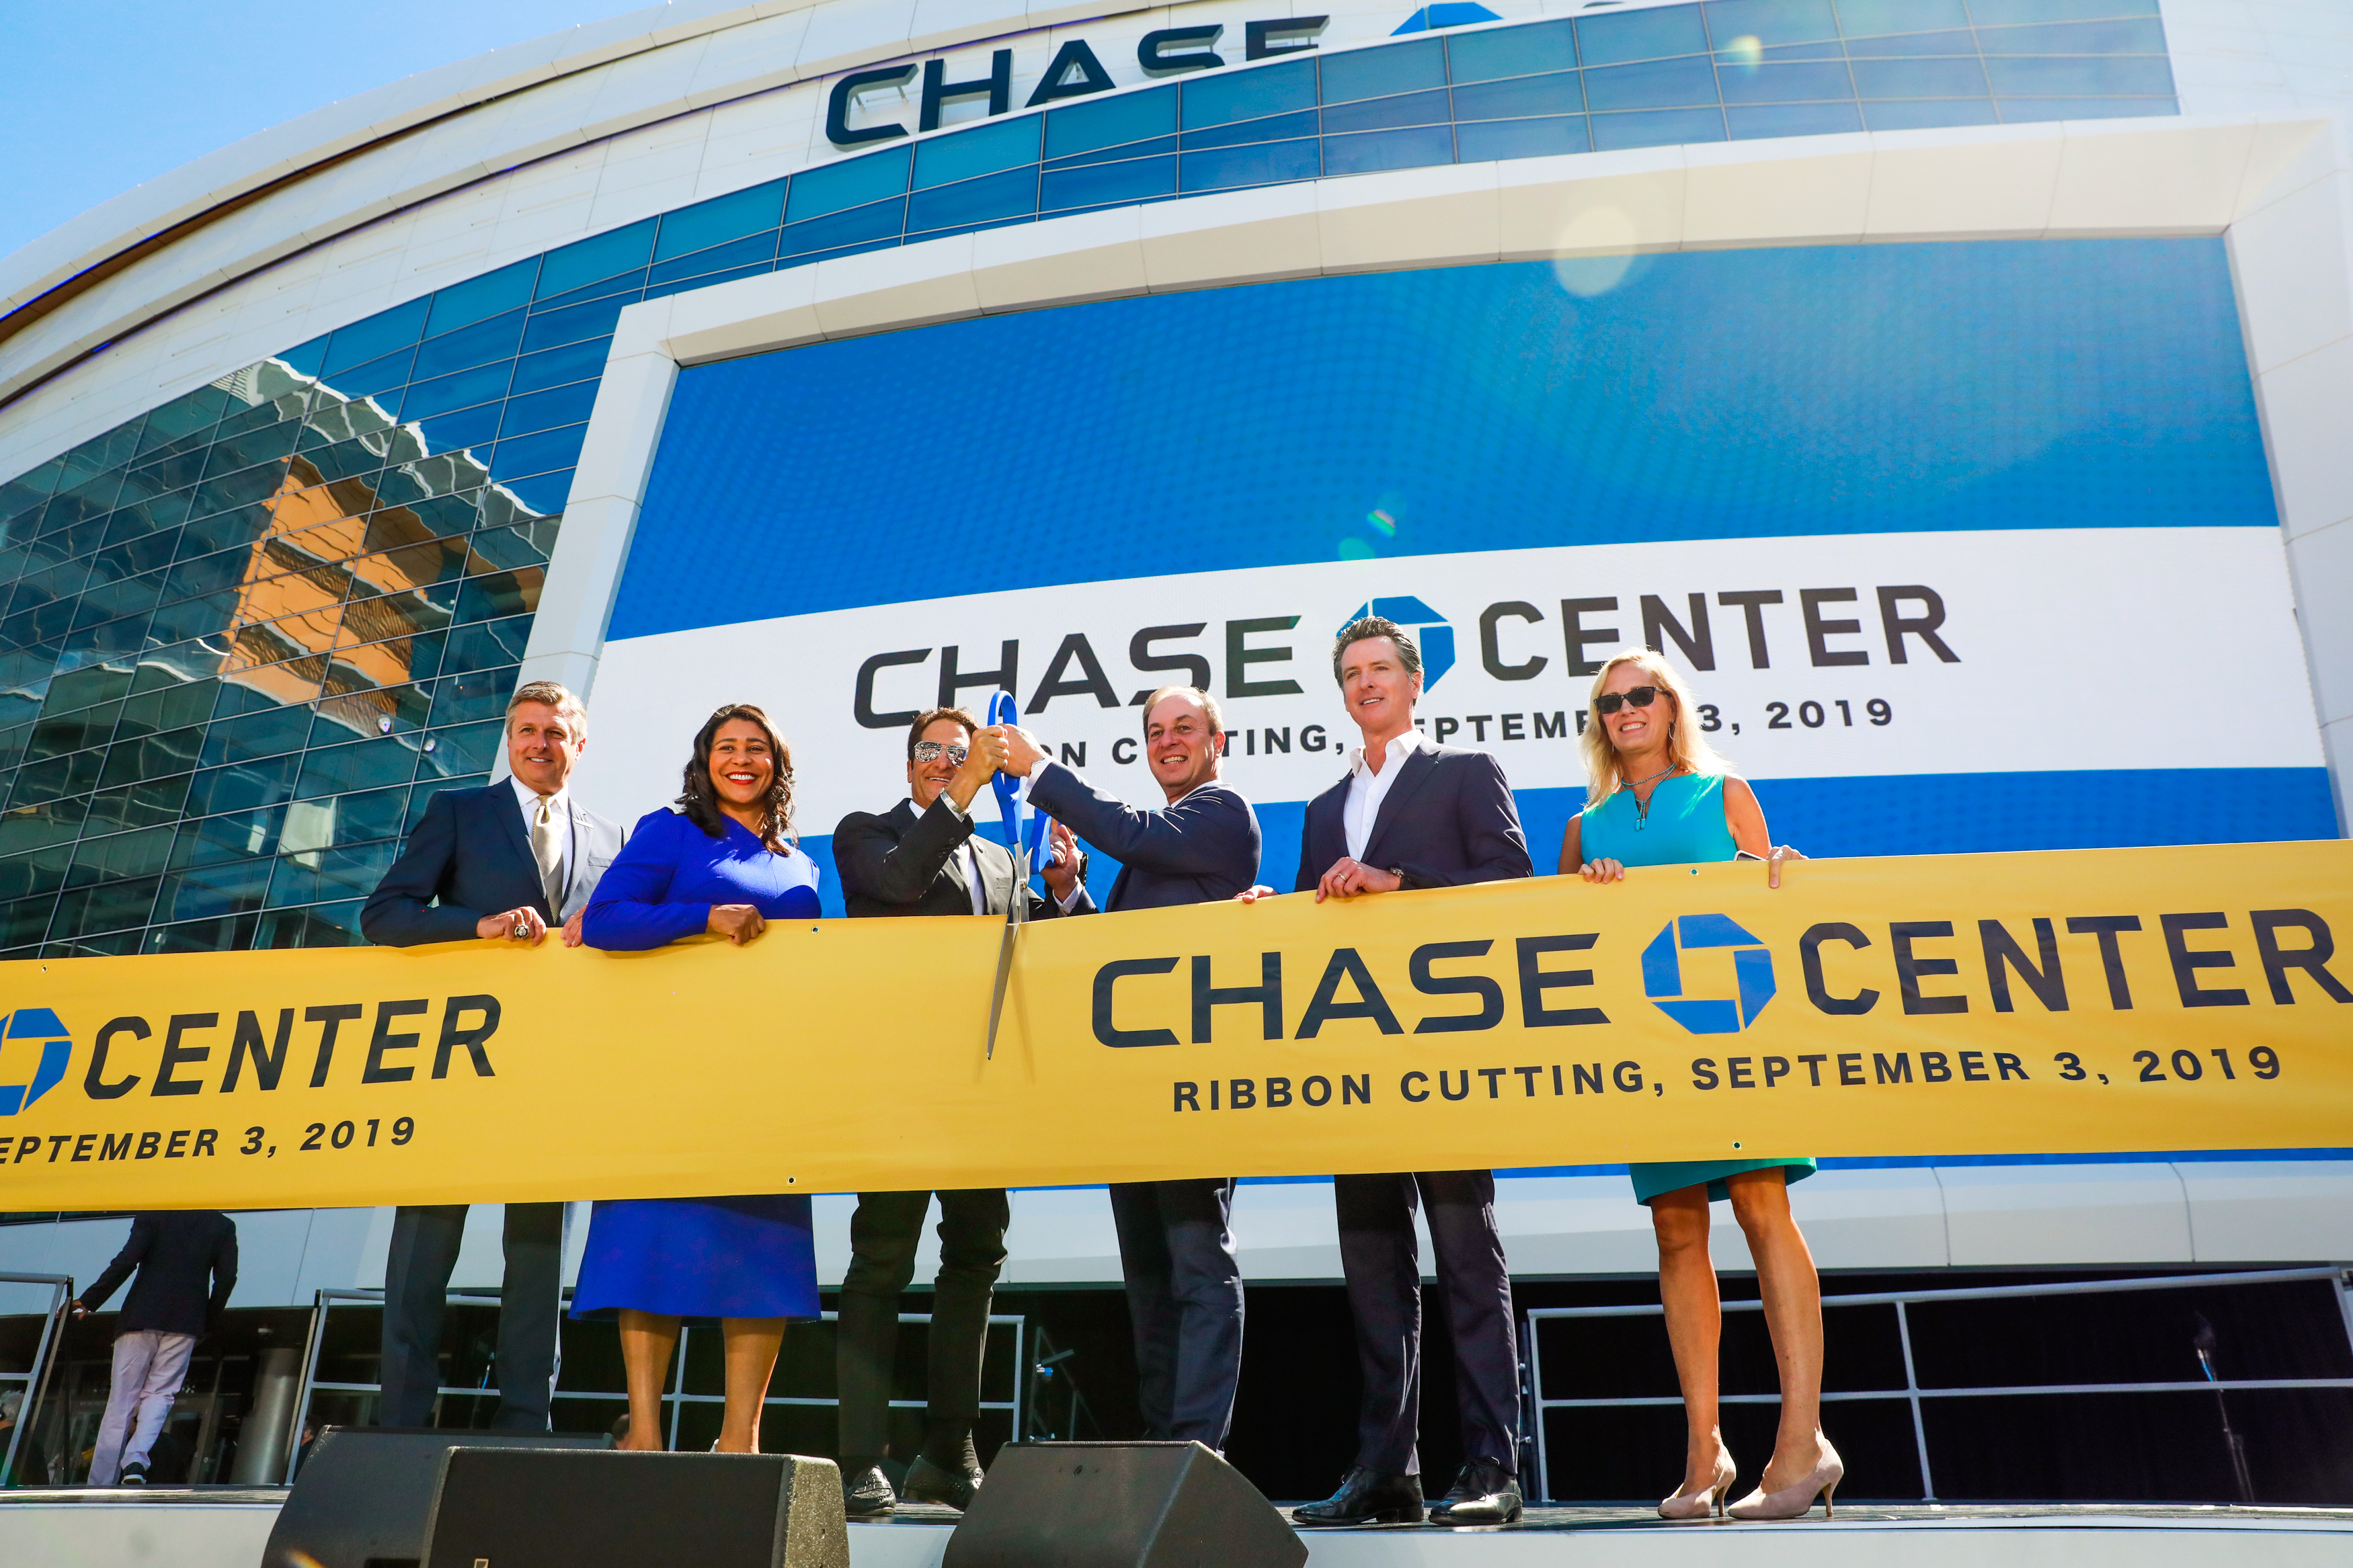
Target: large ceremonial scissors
pixel 1002 710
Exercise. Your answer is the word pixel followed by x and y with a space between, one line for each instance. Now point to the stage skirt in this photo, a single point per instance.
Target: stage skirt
pixel 700 1258
pixel 1673 1175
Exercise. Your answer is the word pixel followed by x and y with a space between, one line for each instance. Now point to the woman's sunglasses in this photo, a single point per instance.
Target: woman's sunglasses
pixel 932 751
pixel 1610 702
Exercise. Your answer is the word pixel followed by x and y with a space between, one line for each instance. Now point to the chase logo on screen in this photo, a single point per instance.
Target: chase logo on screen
pixel 37 1041
pixel 1752 970
pixel 1431 630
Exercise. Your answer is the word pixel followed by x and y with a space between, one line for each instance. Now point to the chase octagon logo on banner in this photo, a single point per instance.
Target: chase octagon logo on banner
pixel 1752 972
pixel 39 1036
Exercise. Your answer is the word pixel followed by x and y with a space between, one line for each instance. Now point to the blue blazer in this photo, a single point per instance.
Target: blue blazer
pixel 1200 850
pixel 473 854
pixel 663 885
pixel 1448 820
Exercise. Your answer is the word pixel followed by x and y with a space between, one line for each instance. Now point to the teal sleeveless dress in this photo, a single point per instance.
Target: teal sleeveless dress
pixel 1684 826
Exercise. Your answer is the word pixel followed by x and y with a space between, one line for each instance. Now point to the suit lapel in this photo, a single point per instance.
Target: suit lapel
pixel 904 818
pixel 1326 837
pixel 583 835
pixel 1413 773
pixel 507 807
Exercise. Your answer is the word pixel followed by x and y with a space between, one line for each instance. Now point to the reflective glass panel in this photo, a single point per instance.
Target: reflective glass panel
pixel 586 261
pixel 982 150
pixel 1352 74
pixel 721 219
pixel 834 187
pixel 1110 122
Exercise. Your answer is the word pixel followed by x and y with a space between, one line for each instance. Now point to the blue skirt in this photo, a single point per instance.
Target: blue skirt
pixel 699 1257
pixel 1658 1178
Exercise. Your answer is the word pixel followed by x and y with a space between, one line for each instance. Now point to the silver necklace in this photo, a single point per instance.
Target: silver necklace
pixel 1641 803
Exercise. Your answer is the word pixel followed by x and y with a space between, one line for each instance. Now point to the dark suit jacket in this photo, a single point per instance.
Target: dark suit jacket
pixel 1201 849
pixel 186 1260
pixel 903 862
pixel 472 853
pixel 1448 820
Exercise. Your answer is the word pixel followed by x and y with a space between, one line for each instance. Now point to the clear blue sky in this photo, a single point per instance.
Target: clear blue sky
pixel 103 95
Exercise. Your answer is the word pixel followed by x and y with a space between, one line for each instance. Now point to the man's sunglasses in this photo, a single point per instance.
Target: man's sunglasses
pixel 1610 702
pixel 932 751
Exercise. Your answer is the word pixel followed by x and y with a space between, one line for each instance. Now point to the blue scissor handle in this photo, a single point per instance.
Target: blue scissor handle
pixel 1002 710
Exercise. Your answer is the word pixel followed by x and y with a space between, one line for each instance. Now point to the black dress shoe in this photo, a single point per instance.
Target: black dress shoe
pixel 866 1492
pixel 930 1482
pixel 1366 1498
pixel 1485 1493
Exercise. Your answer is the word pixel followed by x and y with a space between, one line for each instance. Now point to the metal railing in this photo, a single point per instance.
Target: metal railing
pixel 1912 1392
pixel 36 1376
pixel 674 1397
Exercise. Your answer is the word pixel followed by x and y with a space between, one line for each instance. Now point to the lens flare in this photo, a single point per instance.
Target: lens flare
pixel 1593 250
pixel 1354 550
pixel 1749 50
pixel 1381 522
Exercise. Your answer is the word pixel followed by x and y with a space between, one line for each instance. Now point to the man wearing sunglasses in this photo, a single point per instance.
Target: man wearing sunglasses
pixel 1176 1237
pixel 1413 814
pixel 923 857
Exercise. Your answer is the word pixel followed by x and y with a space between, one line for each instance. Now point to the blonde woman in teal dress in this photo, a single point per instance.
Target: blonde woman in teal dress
pixel 1660 795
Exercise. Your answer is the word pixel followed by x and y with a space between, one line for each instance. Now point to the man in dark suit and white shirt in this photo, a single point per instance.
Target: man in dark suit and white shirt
pixel 504 863
pixel 1414 814
pixel 923 857
pixel 1176 1238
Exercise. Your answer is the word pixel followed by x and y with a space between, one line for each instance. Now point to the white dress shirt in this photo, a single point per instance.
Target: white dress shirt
pixel 972 866
pixel 561 805
pixel 968 851
pixel 1367 789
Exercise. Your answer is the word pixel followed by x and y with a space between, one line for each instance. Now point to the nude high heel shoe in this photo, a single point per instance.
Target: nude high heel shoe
pixel 1797 1500
pixel 1699 1505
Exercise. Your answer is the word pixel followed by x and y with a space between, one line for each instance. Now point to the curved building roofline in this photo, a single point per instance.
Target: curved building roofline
pixel 167 207
pixel 70 294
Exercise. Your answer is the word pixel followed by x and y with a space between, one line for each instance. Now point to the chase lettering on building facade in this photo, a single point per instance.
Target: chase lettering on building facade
pixel 1076 71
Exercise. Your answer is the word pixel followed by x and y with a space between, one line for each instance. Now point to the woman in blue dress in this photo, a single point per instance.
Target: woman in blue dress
pixel 722 863
pixel 1660 795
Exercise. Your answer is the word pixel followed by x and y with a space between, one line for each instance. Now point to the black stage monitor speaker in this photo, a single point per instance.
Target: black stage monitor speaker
pixel 362 1496
pixel 1117 1505
pixel 520 1508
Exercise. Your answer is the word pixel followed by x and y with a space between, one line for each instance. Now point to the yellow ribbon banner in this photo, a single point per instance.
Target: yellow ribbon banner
pixel 2062 1002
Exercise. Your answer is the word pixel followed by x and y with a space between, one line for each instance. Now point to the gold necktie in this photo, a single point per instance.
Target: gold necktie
pixel 547 849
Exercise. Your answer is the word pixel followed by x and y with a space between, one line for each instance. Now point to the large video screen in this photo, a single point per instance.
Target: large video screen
pixel 1966 547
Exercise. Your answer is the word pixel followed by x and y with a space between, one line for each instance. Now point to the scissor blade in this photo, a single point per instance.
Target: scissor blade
pixel 1012 913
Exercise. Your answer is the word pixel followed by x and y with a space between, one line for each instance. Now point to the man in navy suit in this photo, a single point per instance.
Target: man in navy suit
pixel 505 863
pixel 1176 1238
pixel 1414 814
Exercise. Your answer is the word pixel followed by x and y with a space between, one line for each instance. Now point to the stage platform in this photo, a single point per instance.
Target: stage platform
pixel 226 1527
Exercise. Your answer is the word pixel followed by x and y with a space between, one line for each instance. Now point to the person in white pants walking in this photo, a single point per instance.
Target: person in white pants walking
pixel 186 1264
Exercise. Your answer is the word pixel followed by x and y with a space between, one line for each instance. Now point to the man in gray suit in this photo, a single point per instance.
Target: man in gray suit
pixel 504 863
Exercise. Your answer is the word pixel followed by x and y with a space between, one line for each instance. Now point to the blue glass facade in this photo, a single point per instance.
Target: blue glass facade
pixel 244 637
